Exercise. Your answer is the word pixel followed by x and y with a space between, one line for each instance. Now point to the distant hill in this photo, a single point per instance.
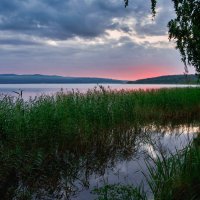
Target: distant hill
pixel 170 79
pixel 38 78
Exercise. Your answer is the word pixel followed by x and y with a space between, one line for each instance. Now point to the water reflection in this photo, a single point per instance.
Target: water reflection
pixel 72 170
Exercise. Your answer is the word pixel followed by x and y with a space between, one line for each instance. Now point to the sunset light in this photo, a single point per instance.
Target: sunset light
pixel 100 39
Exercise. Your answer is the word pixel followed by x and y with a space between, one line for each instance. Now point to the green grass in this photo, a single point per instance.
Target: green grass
pixel 120 192
pixel 177 177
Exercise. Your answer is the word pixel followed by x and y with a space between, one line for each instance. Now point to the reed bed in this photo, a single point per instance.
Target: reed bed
pixel 71 115
pixel 36 135
pixel 177 177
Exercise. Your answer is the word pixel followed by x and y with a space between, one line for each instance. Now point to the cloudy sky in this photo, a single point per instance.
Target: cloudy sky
pixel 92 38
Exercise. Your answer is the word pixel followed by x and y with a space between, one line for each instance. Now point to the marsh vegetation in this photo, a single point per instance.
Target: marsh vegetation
pixel 176 178
pixel 51 146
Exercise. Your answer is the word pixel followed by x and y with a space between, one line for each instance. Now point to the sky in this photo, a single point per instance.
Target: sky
pixel 87 38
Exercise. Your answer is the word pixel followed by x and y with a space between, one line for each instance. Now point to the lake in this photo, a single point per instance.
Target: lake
pixel 32 90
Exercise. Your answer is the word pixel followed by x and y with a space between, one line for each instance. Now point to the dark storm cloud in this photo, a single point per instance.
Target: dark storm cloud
pixel 58 19
pixel 63 19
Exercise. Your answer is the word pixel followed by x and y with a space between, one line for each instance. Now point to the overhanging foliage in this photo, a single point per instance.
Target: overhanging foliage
pixel 185 30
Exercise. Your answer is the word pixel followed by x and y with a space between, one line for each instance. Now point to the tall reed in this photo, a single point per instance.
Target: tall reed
pixel 75 114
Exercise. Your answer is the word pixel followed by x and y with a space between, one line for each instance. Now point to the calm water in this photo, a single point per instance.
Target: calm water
pixel 127 164
pixel 38 89
pixel 114 157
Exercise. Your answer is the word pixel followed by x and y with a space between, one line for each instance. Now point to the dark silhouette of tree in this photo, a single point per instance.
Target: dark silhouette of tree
pixel 185 30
